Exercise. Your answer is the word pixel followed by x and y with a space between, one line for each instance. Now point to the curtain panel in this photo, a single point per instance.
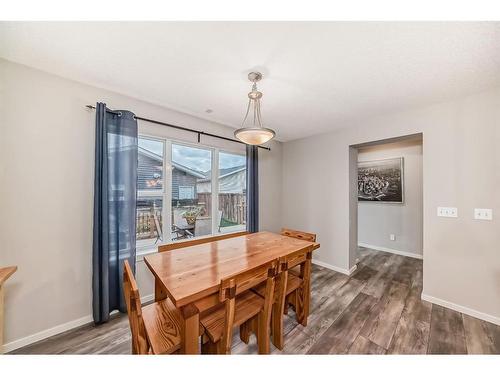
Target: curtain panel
pixel 252 153
pixel 115 196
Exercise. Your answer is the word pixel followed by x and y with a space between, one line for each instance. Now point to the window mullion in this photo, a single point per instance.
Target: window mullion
pixel 167 191
pixel 215 191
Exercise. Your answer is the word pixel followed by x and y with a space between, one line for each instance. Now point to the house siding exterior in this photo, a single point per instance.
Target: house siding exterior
pixel 146 170
pixel 150 176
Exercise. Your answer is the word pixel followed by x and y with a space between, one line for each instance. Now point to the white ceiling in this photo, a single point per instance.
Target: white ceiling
pixel 317 75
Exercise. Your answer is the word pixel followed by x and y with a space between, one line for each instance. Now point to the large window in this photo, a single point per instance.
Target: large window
pixel 187 191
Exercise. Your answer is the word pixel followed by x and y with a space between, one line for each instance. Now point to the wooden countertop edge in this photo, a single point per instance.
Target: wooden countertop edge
pixel 6 272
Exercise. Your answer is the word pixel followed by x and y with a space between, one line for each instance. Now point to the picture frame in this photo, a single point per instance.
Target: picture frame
pixel 381 180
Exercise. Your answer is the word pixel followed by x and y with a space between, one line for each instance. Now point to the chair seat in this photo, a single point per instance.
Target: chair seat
pixel 293 282
pixel 248 304
pixel 163 327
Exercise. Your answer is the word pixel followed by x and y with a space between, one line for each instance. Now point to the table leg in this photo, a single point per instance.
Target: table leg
pixel 190 330
pixel 278 310
pixel 160 294
pixel 304 293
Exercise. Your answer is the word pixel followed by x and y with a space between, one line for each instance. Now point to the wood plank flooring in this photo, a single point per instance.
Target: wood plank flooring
pixel 377 310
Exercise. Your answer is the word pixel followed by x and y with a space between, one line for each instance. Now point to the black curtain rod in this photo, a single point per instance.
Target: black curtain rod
pixel 200 133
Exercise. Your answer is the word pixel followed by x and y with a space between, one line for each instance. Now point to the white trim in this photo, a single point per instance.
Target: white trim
pixel 167 190
pixel 31 339
pixel 462 309
pixel 24 341
pixel 214 190
pixel 147 298
pixel 335 268
pixel 139 256
pixel 393 251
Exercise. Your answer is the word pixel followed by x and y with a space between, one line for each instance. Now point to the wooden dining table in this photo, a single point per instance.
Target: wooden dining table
pixel 191 276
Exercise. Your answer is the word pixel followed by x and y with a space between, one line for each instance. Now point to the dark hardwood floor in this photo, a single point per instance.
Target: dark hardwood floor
pixel 377 310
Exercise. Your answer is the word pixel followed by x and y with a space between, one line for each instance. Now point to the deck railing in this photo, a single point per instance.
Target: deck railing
pixel 146 227
pixel 233 207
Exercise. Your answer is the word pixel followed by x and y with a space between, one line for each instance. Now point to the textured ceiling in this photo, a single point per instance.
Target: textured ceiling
pixel 317 75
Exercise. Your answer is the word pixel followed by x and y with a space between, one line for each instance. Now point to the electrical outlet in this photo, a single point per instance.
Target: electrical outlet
pixel 483 214
pixel 392 237
pixel 447 211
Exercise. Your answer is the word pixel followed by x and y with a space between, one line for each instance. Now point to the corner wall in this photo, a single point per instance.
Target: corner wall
pixel 461 168
pixel 46 195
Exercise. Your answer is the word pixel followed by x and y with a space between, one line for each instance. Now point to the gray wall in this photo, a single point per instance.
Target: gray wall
pixel 48 132
pixel 376 221
pixel 461 168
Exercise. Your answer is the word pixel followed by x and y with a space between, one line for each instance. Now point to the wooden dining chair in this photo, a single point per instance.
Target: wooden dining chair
pixel 240 305
pixel 301 271
pixel 289 288
pixel 292 286
pixel 197 241
pixel 156 327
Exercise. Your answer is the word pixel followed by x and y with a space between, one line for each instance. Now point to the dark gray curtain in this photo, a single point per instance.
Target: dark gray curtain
pixel 252 188
pixel 115 195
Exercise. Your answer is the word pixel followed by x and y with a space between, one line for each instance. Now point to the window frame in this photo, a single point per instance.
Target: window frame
pixel 166 192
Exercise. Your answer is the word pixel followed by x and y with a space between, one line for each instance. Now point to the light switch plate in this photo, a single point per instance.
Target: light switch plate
pixel 483 214
pixel 392 237
pixel 447 211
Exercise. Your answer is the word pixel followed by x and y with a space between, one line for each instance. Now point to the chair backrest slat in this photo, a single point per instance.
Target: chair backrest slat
pixel 247 279
pixel 311 237
pixel 238 283
pixel 134 311
pixel 197 241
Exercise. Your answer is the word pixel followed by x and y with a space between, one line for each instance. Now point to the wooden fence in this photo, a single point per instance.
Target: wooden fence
pixel 233 206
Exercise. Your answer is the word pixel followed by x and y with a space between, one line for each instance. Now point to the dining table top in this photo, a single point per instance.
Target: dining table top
pixel 194 272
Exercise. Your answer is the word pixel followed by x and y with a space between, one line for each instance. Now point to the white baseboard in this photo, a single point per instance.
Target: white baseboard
pixel 148 298
pixel 16 344
pixel 353 268
pixel 393 251
pixel 462 309
pixel 334 268
pixel 31 339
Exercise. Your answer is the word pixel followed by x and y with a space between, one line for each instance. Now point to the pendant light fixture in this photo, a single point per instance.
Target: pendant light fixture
pixel 255 134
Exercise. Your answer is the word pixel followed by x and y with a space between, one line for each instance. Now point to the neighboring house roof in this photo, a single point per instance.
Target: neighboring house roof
pixel 150 154
pixel 233 182
pixel 187 170
pixel 181 167
pixel 224 172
